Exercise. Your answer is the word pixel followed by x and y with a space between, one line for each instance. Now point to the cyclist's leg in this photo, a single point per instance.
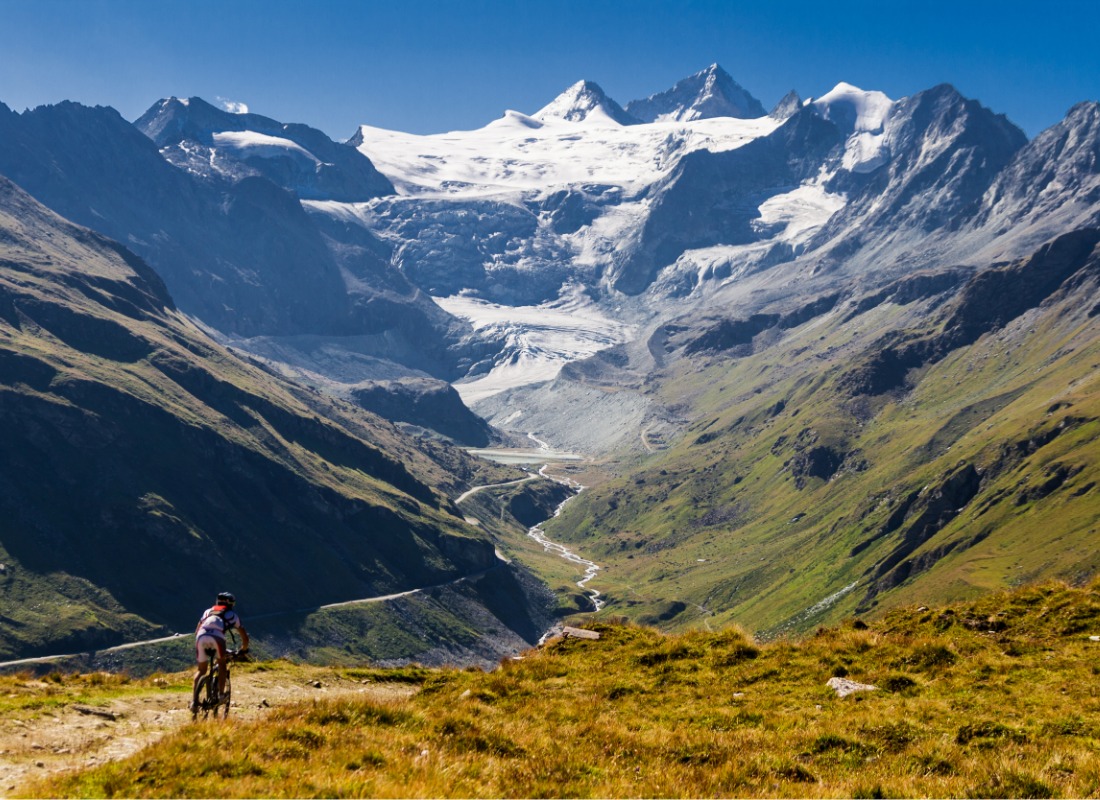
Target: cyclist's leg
pixel 201 665
pixel 223 660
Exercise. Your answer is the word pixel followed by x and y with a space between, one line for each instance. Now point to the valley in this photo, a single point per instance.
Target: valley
pixel 808 364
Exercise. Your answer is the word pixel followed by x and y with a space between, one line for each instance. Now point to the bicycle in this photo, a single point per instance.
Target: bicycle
pixel 206 699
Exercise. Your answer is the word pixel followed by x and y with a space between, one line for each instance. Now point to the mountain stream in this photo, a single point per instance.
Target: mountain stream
pixel 590 567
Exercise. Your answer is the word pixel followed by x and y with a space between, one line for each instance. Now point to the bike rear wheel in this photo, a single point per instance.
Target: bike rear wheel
pixel 224 699
pixel 205 698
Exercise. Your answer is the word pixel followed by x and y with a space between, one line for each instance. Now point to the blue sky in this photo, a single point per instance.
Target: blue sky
pixel 434 65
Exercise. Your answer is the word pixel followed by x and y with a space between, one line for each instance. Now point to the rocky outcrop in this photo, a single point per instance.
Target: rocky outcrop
pixel 921 517
pixel 787 106
pixel 736 334
pixel 940 152
pixel 911 289
pixel 816 462
pixel 1052 183
pixel 988 301
pixel 426 403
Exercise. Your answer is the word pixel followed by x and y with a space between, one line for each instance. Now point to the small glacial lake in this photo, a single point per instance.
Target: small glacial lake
pixel 531 455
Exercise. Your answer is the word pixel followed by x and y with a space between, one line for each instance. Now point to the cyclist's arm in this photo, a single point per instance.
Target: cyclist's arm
pixel 244 636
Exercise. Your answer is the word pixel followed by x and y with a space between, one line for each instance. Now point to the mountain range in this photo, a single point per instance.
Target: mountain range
pixel 825 359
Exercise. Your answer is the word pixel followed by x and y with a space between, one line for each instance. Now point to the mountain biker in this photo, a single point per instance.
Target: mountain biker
pixel 210 633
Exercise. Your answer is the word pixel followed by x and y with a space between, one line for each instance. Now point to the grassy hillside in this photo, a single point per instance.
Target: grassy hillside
pixel 144 467
pixel 935 440
pixel 991 698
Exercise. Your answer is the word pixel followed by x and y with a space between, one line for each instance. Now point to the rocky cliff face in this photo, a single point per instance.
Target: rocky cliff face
pixel 1051 184
pixel 706 94
pixel 938 155
pixel 427 404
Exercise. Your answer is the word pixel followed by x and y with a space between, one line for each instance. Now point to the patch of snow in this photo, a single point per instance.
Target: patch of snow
pixel 864 116
pixel 540 339
pixel 865 152
pixel 705 262
pixel 801 212
pixel 594 244
pixel 357 213
pixel 251 143
pixel 852 109
pixel 795 216
pixel 515 120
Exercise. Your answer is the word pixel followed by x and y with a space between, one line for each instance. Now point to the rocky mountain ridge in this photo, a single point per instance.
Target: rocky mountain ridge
pixel 233 243
pixel 203 140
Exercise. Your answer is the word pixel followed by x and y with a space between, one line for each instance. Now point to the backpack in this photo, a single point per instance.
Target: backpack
pixel 220 612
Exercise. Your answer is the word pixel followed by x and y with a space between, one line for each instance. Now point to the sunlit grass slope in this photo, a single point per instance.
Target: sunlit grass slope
pixel 801 490
pixel 993 698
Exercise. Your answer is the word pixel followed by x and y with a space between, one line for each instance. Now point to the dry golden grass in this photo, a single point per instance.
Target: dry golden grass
pixel 992 699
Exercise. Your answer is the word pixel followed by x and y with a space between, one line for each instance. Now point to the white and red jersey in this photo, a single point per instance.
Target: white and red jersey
pixel 216 621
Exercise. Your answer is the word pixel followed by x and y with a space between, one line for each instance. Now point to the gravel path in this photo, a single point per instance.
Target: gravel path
pixel 37 742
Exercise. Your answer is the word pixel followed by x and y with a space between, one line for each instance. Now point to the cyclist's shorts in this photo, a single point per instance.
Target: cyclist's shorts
pixel 204 641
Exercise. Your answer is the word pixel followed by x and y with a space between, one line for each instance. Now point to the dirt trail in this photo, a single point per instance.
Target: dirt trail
pixel 38 743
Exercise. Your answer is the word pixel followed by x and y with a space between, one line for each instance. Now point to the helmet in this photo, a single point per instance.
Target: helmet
pixel 226 599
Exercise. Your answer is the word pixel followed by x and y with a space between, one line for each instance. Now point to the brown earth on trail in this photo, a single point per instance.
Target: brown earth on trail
pixel 38 742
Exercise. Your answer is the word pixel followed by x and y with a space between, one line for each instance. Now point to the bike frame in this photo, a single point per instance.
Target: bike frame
pixel 206 698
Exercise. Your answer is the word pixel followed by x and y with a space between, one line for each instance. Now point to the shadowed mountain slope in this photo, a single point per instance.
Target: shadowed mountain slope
pixel 142 466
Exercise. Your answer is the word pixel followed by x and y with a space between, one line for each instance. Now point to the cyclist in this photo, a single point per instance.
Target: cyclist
pixel 210 633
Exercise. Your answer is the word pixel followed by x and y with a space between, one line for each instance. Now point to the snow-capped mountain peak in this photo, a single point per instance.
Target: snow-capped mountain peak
pixel 706 94
pixel 205 140
pixel 852 109
pixel 584 101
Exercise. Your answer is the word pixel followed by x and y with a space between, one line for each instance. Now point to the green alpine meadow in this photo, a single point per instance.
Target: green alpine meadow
pixel 989 698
